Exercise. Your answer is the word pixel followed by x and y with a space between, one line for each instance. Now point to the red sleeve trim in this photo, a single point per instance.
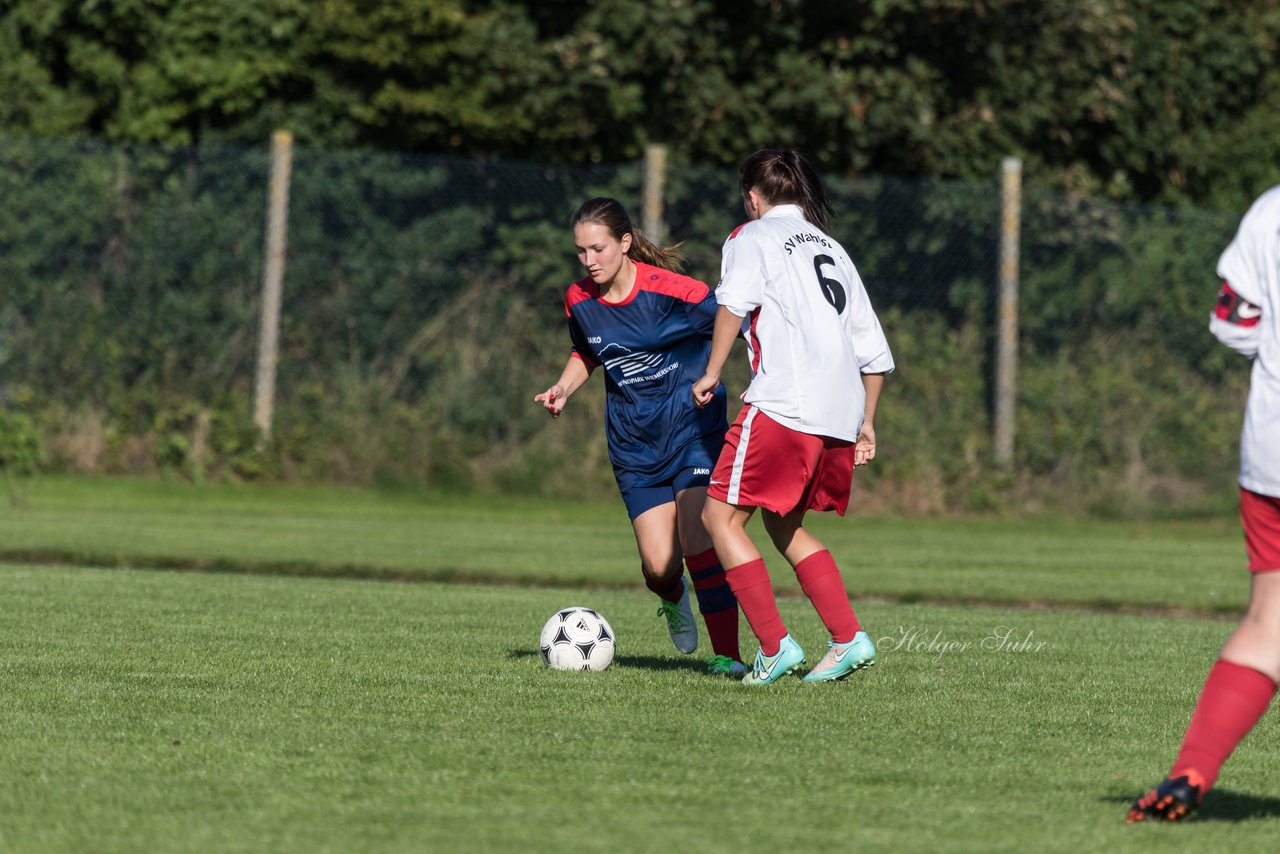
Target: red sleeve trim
pixel 1235 309
pixel 755 341
pixel 734 233
pixel 591 363
pixel 670 284
pixel 583 289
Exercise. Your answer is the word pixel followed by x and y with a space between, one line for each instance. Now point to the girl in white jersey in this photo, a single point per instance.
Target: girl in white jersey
pixel 1243 679
pixel 818 360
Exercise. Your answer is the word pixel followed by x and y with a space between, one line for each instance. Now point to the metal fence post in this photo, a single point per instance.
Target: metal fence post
pixel 272 278
pixel 655 187
pixel 1007 326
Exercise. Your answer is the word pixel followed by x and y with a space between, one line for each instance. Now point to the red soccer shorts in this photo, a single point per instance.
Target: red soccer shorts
pixel 764 464
pixel 1261 517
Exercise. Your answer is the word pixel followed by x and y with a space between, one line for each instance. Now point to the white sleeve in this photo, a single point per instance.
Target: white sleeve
pixel 872 348
pixel 1250 268
pixel 1239 265
pixel 1243 341
pixel 869 343
pixel 742 274
pixel 1250 260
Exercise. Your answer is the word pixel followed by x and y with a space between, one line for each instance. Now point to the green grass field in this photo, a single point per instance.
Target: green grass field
pixel 1194 566
pixel 264 710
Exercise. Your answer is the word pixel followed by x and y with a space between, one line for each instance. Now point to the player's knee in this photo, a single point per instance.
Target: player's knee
pixel 781 529
pixel 713 519
pixel 662 567
pixel 696 542
pixel 1262 629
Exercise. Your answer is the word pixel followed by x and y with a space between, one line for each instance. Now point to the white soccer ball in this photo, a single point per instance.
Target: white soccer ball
pixel 576 638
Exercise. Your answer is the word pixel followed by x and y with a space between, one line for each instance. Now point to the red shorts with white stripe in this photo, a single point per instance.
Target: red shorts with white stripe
pixel 1261 517
pixel 764 464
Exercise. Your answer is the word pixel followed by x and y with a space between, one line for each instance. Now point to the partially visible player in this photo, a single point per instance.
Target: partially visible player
pixel 1243 680
pixel 818 361
pixel 650 328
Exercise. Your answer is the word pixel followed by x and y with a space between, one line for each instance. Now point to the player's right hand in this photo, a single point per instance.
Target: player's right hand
pixel 704 390
pixel 864 450
pixel 553 400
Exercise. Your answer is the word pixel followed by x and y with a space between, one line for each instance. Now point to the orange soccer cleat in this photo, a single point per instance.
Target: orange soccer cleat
pixel 1173 800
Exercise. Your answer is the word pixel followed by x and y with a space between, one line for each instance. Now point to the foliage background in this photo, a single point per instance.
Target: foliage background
pixel 443 144
pixel 423 311
pixel 1170 101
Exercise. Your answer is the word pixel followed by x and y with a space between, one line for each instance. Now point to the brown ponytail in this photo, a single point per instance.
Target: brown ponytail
pixel 612 215
pixel 783 176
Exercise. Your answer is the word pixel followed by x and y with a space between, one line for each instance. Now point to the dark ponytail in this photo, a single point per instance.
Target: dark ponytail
pixel 612 215
pixel 782 176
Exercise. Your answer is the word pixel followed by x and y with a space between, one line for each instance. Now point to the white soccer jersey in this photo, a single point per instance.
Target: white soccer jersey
pixel 810 329
pixel 1251 267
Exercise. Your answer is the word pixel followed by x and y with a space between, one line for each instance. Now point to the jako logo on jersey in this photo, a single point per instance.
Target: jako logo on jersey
pixel 594 340
pixel 702 471
pixel 627 362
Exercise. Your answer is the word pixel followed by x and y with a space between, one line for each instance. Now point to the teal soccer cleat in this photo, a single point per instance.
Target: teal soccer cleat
pixel 843 658
pixel 770 668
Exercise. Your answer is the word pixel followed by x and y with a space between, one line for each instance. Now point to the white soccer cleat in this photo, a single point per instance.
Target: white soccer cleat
pixel 680 623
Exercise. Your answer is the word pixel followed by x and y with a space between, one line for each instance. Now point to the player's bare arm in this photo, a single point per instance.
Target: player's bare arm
pixel 726 330
pixel 864 451
pixel 575 373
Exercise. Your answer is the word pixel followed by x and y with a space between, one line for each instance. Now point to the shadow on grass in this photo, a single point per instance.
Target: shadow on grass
pixel 653 662
pixel 1221 805
pixel 647 662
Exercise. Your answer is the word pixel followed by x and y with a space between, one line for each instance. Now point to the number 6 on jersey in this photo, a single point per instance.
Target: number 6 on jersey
pixel 831 289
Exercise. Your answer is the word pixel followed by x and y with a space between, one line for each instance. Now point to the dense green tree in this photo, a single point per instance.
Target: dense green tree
pixel 1157 100
pixel 173 71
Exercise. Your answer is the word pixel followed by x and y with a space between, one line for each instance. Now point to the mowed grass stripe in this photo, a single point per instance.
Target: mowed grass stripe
pixel 171 712
pixel 1167 566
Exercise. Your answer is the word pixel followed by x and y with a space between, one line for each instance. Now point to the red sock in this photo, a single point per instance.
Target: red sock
pixel 1233 699
pixel 715 602
pixel 821 582
pixel 669 589
pixel 751 585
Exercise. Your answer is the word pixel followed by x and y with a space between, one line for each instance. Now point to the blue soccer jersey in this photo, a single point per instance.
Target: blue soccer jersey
pixel 653 346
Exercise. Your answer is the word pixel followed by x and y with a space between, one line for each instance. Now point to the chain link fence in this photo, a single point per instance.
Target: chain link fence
pixel 423 309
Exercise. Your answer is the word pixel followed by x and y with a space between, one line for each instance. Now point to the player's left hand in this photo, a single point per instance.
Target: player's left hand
pixel 864 451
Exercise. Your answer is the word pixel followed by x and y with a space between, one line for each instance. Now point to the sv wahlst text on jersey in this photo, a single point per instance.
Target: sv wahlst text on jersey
pixel 804 237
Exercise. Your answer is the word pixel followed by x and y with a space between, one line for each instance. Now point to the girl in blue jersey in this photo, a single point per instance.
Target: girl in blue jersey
pixel 650 329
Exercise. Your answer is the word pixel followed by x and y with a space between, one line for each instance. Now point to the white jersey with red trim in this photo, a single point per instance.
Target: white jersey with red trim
pixel 810 329
pixel 1248 320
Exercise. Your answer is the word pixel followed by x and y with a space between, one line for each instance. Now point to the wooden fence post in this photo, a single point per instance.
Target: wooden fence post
pixel 655 188
pixel 272 279
pixel 1007 326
